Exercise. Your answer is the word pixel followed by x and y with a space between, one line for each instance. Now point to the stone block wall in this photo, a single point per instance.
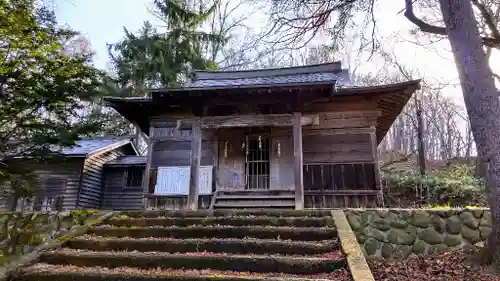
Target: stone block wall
pixel 20 233
pixel 398 233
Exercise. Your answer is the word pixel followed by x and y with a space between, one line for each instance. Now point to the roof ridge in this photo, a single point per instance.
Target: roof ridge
pixel 269 72
pixel 277 75
pixel 272 68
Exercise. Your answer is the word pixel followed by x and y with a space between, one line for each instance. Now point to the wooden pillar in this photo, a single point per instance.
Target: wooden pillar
pixel 194 172
pixel 373 140
pixel 146 177
pixel 297 162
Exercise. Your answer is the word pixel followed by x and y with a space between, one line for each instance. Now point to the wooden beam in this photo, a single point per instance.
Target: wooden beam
pixel 374 142
pixel 240 121
pixel 233 121
pixel 297 161
pixel 194 171
pixel 309 120
pixel 340 131
pixel 146 181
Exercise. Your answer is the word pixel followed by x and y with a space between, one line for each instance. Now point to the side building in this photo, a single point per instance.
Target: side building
pixel 75 179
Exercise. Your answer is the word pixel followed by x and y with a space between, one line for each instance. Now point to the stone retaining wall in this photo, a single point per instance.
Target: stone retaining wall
pixel 20 233
pixel 397 233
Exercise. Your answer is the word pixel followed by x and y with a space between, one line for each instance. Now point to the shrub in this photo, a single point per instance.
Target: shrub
pixel 455 185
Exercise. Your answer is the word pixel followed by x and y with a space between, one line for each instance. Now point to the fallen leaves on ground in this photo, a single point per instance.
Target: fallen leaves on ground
pixel 337 275
pixel 325 256
pixel 451 266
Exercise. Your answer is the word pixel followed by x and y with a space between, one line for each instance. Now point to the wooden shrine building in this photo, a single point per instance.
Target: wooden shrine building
pixel 299 137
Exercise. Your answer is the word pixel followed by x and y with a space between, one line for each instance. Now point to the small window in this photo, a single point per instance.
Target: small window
pixel 134 177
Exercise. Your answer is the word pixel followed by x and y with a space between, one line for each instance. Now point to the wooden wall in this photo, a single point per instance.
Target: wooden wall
pixel 172 147
pixel 118 196
pixel 340 163
pixel 340 148
pixel 53 180
pixel 230 173
pixel 93 176
pixel 282 163
pixel 343 135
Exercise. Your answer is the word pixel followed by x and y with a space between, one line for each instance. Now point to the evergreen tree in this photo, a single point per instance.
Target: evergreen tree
pixel 151 58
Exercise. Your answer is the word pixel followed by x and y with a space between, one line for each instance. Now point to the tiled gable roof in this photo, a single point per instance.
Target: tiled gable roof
pixel 330 72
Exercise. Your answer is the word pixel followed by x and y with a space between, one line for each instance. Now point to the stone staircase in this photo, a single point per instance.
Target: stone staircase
pixel 216 245
pixel 254 199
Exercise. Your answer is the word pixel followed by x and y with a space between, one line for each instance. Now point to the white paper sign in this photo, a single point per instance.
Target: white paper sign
pixel 175 180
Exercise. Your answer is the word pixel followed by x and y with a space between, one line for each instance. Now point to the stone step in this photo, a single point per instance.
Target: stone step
pixel 220 231
pixel 233 221
pixel 151 260
pixel 254 204
pixel 261 192
pixel 230 246
pixel 256 197
pixel 227 213
pixel 46 272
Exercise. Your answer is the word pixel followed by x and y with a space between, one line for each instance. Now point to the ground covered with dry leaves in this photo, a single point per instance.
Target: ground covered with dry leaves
pixel 451 266
pixel 337 275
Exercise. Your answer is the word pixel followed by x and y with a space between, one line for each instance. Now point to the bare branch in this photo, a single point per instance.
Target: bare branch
pixel 425 27
pixel 493 42
pixel 488 18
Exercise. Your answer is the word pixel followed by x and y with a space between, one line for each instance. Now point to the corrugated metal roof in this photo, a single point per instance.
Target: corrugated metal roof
pixel 86 146
pixel 129 160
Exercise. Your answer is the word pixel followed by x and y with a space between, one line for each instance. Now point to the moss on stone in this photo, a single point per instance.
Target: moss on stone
pixel 388 250
pixel 399 223
pixel 306 234
pixel 383 213
pixel 360 237
pixel 430 236
pixel 471 235
pixel 401 237
pixel 454 225
pixel 234 221
pixel 354 220
pixel 469 220
pixel 486 219
pixel 419 247
pixel 452 240
pixel 244 246
pixel 374 233
pixel 176 261
pixel 381 224
pixel 484 232
pixel 421 218
pixel 371 246
pixel 438 223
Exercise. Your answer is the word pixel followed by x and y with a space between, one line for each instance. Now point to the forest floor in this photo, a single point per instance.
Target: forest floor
pixel 450 266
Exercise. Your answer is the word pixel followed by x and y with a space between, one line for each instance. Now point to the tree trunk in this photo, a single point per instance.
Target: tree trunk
pixel 420 136
pixel 482 103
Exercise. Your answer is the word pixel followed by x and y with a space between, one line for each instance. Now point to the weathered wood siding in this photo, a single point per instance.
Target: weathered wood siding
pixel 282 161
pixel 91 190
pixel 231 163
pixel 341 148
pixel 172 147
pixel 53 180
pixel 339 163
pixel 118 196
